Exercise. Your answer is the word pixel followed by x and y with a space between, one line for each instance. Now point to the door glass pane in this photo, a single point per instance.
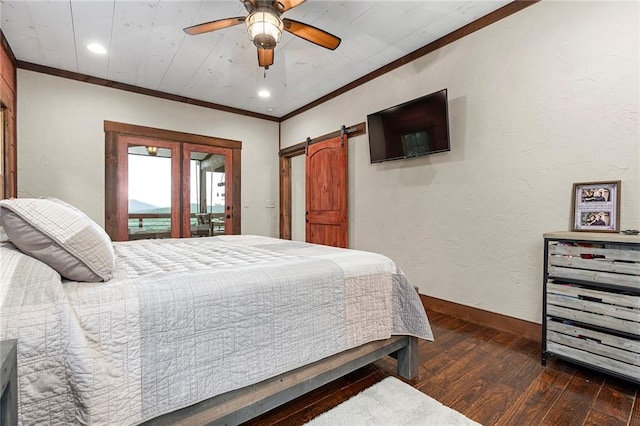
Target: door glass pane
pixel 149 192
pixel 207 194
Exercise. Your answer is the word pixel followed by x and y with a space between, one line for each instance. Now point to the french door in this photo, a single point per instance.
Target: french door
pixel 151 178
pixel 177 185
pixel 207 191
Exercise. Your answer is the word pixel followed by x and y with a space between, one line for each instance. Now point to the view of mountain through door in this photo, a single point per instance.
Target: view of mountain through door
pixel 207 170
pixel 153 209
pixel 169 188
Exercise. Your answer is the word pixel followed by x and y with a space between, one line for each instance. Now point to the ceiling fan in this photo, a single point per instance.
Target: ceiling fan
pixel 265 25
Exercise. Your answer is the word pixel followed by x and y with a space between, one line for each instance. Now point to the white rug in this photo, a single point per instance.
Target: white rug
pixel 391 402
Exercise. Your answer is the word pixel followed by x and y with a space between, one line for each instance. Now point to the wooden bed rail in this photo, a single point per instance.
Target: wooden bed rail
pixel 238 406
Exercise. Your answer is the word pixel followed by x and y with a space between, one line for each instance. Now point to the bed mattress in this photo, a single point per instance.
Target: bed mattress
pixel 184 320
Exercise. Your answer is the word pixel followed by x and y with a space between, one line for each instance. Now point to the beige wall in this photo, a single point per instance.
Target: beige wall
pixel 61 143
pixel 538 101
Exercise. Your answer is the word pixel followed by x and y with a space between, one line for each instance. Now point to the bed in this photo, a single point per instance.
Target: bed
pixel 215 329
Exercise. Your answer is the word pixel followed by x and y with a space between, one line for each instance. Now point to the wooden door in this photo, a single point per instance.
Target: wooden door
pixel 326 192
pixel 207 191
pixel 164 215
pixel 148 204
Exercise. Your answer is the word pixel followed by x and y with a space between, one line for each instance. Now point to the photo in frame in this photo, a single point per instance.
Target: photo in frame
pixel 596 206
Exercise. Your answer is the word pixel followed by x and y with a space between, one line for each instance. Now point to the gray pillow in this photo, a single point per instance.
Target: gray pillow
pixel 59 235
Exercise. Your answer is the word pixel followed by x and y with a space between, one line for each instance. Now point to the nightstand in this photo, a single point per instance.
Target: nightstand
pixel 9 381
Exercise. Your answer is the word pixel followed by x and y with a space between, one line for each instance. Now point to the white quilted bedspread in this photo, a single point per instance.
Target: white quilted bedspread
pixel 184 320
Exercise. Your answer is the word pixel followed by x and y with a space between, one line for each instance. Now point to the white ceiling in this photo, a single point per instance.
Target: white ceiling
pixel 147 47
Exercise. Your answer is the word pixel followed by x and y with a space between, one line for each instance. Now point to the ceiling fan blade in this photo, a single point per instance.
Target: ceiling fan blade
pixel 214 25
pixel 265 57
pixel 249 5
pixel 312 34
pixel 284 5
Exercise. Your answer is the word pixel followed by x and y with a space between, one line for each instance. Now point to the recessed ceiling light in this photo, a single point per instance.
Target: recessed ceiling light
pixel 264 93
pixel 97 48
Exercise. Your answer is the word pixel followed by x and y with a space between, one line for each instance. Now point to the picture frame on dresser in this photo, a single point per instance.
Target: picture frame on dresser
pixel 595 206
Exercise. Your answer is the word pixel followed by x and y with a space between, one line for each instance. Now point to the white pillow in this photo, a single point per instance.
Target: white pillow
pixel 59 235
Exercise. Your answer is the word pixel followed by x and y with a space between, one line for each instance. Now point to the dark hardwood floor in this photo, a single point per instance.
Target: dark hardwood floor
pixel 492 377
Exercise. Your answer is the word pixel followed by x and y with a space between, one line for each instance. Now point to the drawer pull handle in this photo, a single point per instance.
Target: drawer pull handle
pixel 590 339
pixel 590 298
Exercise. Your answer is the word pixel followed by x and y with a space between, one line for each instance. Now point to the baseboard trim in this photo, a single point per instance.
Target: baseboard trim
pixel 523 328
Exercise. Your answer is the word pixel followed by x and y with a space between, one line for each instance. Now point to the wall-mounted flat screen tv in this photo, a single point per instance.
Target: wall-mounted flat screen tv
pixel 412 129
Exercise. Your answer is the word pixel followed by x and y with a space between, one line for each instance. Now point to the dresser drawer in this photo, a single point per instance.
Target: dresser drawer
pixel 613 310
pixel 623 349
pixel 595 264
pixel 615 353
pixel 620 368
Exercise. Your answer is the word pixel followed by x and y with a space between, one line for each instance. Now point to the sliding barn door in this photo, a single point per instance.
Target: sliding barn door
pixel 326 192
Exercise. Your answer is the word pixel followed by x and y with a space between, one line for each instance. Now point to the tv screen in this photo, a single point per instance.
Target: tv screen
pixel 412 129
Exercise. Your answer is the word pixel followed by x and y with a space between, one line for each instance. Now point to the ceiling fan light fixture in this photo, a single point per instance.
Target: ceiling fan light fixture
pixel 264 28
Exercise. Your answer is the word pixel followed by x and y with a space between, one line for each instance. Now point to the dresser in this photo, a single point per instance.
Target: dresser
pixel 591 301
